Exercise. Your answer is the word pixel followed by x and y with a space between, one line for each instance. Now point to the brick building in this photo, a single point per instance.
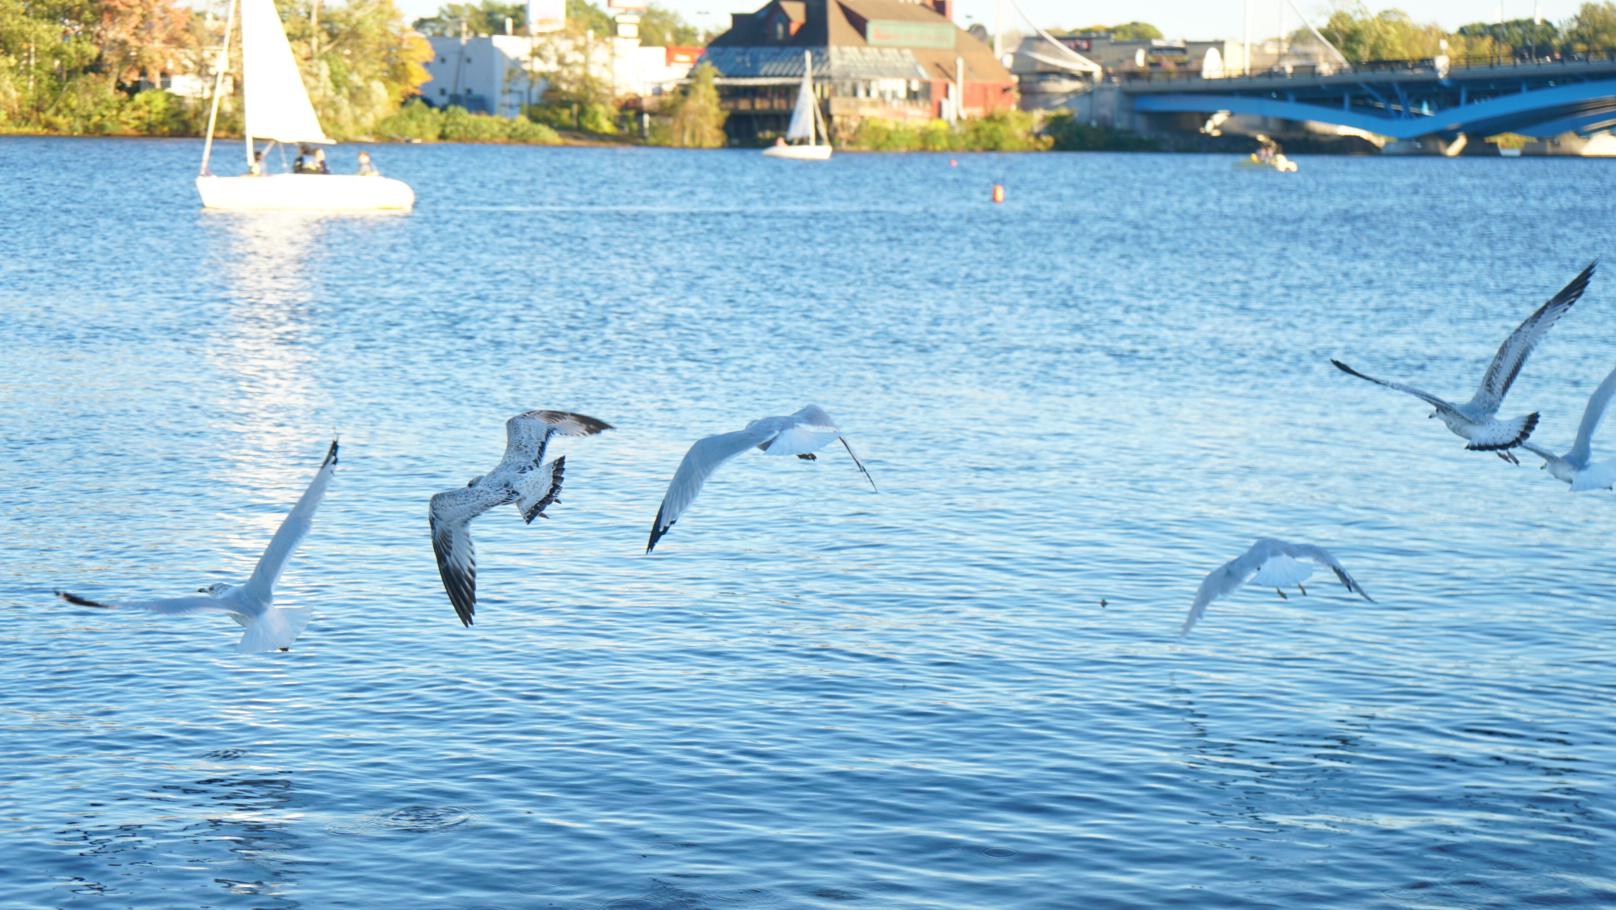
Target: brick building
pixel 887 59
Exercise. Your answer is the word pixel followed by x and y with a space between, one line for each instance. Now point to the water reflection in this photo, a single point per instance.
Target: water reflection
pixel 236 829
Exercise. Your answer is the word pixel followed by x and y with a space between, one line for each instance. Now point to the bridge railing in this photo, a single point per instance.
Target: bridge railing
pixel 1424 65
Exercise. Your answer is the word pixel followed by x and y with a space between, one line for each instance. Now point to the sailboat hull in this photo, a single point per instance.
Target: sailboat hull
pixel 306 193
pixel 798 152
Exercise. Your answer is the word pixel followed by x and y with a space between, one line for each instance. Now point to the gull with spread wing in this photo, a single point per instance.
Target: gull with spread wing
pixel 800 434
pixel 522 477
pixel 1475 420
pixel 1270 563
pixel 1573 466
pixel 252 604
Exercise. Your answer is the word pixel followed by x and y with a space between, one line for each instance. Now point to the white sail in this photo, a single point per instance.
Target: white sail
pixel 802 118
pixel 277 104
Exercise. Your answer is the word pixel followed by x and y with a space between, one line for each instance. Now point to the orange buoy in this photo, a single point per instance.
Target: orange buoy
pixel 998 192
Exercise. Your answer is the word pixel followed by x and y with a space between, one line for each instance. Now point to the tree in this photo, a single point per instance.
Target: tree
pixel 1127 31
pixel 360 62
pixel 585 16
pixel 660 26
pixel 695 118
pixel 1593 29
pixel 1515 38
pixel 485 18
pixel 1387 35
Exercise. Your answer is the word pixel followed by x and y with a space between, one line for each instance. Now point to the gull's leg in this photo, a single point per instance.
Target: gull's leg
pixel 1508 456
pixel 1302 589
pixel 1282 594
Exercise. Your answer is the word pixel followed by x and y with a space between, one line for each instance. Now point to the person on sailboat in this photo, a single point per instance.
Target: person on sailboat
pixel 366 168
pixel 256 169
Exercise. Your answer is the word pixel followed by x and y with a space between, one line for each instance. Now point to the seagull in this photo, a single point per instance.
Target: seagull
pixel 1474 420
pixel 268 627
pixel 1573 466
pixel 522 477
pixel 799 434
pixel 1270 563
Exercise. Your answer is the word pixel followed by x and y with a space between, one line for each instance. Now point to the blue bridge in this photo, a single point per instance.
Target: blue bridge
pixel 1408 101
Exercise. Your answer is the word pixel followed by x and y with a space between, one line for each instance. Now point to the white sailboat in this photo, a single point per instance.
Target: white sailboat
pixel 277 109
pixel 806 123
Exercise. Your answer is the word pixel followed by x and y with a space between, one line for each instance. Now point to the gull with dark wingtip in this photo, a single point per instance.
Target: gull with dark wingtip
pixel 522 476
pixel 1475 421
pixel 252 604
pixel 800 434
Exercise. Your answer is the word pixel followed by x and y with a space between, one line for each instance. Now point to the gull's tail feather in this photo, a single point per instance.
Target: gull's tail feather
pixel 1503 434
pixel 273 629
pixel 1595 477
pixel 536 490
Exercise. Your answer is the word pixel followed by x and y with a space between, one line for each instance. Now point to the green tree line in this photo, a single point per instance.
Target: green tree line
pixel 1392 34
pixel 99 66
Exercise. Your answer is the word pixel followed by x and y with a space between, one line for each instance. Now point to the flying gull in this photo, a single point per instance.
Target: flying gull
pixel 521 477
pixel 268 627
pixel 800 434
pixel 1270 563
pixel 1573 466
pixel 1475 420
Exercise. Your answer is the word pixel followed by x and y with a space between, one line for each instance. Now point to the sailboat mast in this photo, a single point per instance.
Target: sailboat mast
pixel 218 86
pixel 808 80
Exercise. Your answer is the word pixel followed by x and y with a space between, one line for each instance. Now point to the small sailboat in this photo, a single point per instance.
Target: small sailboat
pixel 277 109
pixel 1267 157
pixel 806 123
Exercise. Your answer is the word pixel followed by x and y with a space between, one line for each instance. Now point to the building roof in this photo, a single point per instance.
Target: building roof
pixel 851 39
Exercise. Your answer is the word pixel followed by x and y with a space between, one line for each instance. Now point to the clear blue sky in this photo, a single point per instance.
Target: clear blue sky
pixel 1176 18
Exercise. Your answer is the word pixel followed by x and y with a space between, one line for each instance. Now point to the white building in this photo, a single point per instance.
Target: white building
pixel 503 73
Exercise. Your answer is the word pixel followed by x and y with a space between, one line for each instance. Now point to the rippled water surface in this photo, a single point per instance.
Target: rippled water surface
pixel 811 695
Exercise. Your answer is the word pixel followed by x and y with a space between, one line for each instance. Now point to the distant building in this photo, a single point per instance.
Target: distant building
pixel 887 59
pixel 502 74
pixel 1047 78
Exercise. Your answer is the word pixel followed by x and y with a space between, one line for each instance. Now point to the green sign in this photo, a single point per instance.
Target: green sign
pixel 899 33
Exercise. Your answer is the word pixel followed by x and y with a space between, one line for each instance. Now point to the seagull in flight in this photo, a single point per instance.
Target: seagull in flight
pixel 1573 466
pixel 1475 420
pixel 252 604
pixel 522 477
pixel 1270 563
pixel 800 434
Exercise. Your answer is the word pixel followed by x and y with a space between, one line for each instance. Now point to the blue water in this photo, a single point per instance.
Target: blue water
pixel 811 695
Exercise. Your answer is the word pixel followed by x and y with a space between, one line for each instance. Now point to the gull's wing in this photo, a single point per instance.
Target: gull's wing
pixel 860 464
pixel 699 463
pixel 292 529
pixel 1424 396
pixel 1539 451
pixel 1323 557
pixel 527 434
pixel 1513 352
pixel 450 517
pixel 1591 416
pixel 274 629
pixel 171 606
pixel 1219 582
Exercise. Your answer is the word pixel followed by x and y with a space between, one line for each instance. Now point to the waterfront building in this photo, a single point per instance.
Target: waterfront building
pixel 887 59
pixel 503 74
